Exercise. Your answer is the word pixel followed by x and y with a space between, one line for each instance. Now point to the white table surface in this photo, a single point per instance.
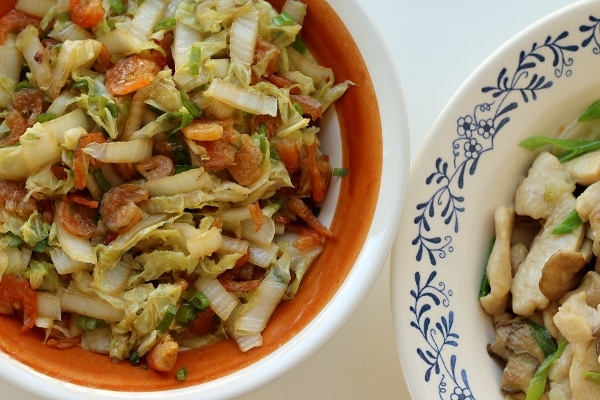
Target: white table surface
pixel 435 45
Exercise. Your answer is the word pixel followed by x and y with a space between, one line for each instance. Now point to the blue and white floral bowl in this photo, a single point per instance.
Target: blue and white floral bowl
pixel 468 166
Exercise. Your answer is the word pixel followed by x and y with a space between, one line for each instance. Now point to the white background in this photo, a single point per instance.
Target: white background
pixel 435 45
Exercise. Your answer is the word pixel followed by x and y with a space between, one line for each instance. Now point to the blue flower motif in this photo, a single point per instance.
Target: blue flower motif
pixel 461 394
pixel 472 149
pixel 486 128
pixel 466 126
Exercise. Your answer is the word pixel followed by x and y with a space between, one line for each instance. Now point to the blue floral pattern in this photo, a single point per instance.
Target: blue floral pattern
pixel 537 69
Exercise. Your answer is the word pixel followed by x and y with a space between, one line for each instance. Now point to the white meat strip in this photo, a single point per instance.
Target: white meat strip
pixel 577 321
pixel 499 268
pixel 527 296
pixel 558 376
pixel 588 208
pixel 585 169
pixel 545 185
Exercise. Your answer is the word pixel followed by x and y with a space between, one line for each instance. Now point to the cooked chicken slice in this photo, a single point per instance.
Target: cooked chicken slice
pixel 585 169
pixel 499 267
pixel 525 289
pixel 545 185
pixel 578 322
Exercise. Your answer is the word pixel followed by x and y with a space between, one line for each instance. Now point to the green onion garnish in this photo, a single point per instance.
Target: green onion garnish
pixel 341 172
pixel 24 85
pixel 484 287
pixel 542 337
pixel 199 300
pixel 134 358
pixel 572 148
pixel 538 382
pixel 572 222
pixel 88 323
pixel 195 53
pixel 182 374
pixel 592 376
pixel 164 24
pixel 186 313
pixel 283 19
pixel 592 113
pixel 299 45
pixel 165 323
pixel 45 117
pixel 118 7
pixel 191 107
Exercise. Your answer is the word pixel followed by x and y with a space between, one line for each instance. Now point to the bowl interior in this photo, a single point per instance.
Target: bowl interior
pixel 355 126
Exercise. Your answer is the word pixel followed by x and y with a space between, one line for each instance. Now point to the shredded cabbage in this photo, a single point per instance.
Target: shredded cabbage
pixel 116 204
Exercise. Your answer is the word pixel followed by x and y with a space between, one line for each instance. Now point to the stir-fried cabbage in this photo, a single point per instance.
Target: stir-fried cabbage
pixel 159 168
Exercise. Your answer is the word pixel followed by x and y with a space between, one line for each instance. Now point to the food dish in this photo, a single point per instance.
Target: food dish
pixel 441 330
pixel 362 223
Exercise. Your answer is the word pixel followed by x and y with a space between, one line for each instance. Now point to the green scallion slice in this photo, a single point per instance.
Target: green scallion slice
pixel 195 53
pixel 341 172
pixel 168 318
pixel 164 24
pixel 284 19
pixel 118 7
pixel 572 222
pixel 182 374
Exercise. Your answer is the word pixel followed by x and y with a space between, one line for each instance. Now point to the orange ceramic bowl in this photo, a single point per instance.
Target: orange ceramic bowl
pixel 367 133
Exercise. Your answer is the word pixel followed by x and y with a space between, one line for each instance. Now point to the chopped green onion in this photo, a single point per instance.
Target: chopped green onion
pixel 572 148
pixel 178 169
pixel 164 24
pixel 165 323
pixel 542 337
pixel 134 358
pixel 199 301
pixel 284 19
pixel 181 155
pixel 572 222
pixel 485 288
pixel 186 119
pixel 182 374
pixel 262 141
pixel 299 45
pixel 45 117
pixel 191 107
pixel 341 172
pixel 592 113
pixel 101 180
pixel 592 376
pixel 299 108
pixel 538 382
pixel 195 53
pixel 82 85
pixel 24 85
pixel 98 105
pixel 88 323
pixel 186 313
pixel 118 7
